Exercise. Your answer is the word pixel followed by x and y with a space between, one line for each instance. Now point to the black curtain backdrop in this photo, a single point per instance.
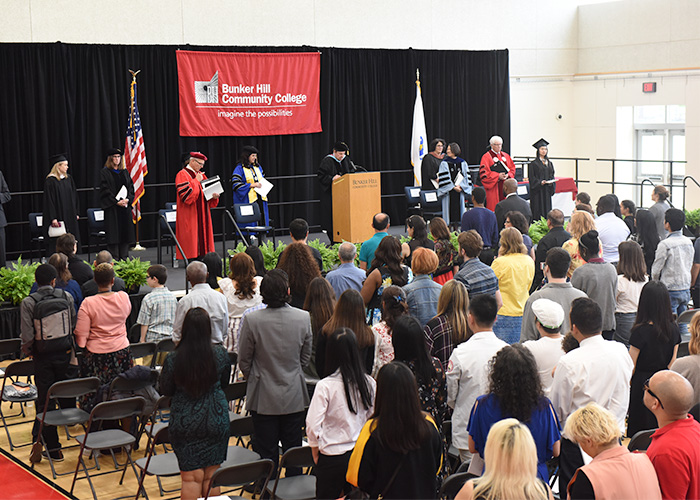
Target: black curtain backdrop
pixel 75 99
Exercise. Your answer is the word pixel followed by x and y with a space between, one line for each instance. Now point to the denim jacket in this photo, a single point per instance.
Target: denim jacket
pixel 422 297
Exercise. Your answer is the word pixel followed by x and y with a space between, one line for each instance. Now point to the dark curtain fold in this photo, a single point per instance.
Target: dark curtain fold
pixel 75 99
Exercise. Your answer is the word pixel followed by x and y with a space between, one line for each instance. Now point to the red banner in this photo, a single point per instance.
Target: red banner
pixel 234 94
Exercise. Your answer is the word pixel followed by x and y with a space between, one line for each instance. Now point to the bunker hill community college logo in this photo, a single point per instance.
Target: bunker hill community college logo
pixel 207 92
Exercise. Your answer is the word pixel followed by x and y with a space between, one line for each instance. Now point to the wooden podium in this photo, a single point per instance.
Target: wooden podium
pixel 356 199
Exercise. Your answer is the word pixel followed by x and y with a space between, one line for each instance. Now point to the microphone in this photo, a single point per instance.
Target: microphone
pixel 356 168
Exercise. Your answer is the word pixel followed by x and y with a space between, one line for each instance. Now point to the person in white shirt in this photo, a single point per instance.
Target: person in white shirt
pixel 598 371
pixel 341 405
pixel 630 281
pixel 549 317
pixel 468 368
pixel 611 229
pixel 204 296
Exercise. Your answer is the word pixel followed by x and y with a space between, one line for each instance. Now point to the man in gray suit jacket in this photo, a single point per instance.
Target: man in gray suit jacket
pixel 274 345
pixel 512 202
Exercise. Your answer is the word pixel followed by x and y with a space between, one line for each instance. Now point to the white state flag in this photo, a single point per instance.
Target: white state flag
pixel 419 137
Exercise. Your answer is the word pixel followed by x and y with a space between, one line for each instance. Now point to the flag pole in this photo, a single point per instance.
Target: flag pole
pixel 137 247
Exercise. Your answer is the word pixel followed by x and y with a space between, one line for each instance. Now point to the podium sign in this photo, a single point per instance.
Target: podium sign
pixel 356 199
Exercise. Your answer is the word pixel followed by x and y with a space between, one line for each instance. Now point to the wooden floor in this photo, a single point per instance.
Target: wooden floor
pixel 107 486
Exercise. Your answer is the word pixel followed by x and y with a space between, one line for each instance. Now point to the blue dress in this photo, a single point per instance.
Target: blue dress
pixel 543 425
pixel 199 428
pixel 241 180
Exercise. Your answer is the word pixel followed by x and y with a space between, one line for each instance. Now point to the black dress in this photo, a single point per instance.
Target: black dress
pixel 429 169
pixel 654 355
pixel 119 227
pixel 329 168
pixel 199 428
pixel 61 204
pixel 540 196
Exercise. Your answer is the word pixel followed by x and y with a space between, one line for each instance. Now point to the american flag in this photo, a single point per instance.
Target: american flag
pixel 135 153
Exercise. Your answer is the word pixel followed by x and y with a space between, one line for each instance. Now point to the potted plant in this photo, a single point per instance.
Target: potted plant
pixel 15 282
pixel 692 220
pixel 538 229
pixel 133 272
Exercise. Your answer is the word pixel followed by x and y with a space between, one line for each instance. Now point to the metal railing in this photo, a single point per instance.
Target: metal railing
pixel 526 160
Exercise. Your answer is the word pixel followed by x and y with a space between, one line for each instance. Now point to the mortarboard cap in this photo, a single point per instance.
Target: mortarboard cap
pixel 250 150
pixel 540 143
pixel 340 146
pixel 57 158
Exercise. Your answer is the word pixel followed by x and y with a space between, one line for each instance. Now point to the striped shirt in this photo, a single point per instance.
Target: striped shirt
pixel 478 278
pixel 157 312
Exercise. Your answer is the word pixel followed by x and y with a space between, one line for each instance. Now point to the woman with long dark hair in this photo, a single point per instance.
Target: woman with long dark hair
pixel 386 269
pixel 409 348
pixel 394 305
pixel 341 405
pixel 631 278
pixel 242 291
pixel 349 313
pixel 447 255
pixel 418 232
pixel 245 179
pixel 598 279
pixel 653 347
pixel 320 303
pixel 195 374
pixel 541 174
pixel 258 259
pixel 449 328
pixel 647 235
pixel 299 264
pixel 399 451
pixel 215 268
pixel 65 279
pixel 515 391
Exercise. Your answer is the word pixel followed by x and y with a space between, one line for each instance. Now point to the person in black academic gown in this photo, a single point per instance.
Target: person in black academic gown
pixel 540 171
pixel 60 201
pixel 119 227
pixel 431 164
pixel 332 167
pixel 5 196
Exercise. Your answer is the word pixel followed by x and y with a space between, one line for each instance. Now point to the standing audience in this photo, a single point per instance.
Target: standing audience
pixel 65 280
pixel 518 221
pixel 418 232
pixel 628 209
pixel 81 271
pixel 422 293
pixel 673 261
pixel 476 276
pixel 512 202
pixel 631 278
pixel 347 275
pixel 580 223
pixel 215 269
pixel 653 347
pixel 675 446
pixel 320 303
pixel 515 391
pixel 614 472
pixel 89 288
pixel 556 237
pixel 380 224
pixel 195 374
pixel 275 345
pixel 598 280
pixel 557 289
pixel 646 236
pixel 394 305
pixel 511 466
pixel 515 271
pixel 298 262
pixel 445 251
pixel 204 296
pixel 341 405
pixel 386 270
pixel 157 308
pixel 467 370
pixel 399 451
pixel 689 366
pixel 660 196
pixel 449 327
pixel 299 232
pixel 483 221
pixel 611 229
pixel 574 387
pixel 242 291
pixel 547 350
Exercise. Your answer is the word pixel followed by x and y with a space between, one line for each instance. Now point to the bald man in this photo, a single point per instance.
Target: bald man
pixel 204 296
pixel 346 276
pixel 511 202
pixel 675 447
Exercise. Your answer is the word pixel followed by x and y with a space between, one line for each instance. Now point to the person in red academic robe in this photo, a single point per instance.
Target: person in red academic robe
pixel 496 167
pixel 193 228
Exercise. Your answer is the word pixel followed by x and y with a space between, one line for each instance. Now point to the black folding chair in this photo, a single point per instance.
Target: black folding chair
pixel 301 487
pixel 431 204
pixel 235 394
pixel 142 349
pixel 238 453
pixel 63 416
pixel 9 347
pixel 108 438
pixel 13 373
pixel 163 465
pixel 241 475
pixel 36 231
pixel 452 484
pixel 641 440
pixel 165 345
pixel 249 213
pixel 96 227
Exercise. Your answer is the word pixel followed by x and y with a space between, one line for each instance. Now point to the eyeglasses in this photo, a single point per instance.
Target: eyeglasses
pixel 199 162
pixel 651 393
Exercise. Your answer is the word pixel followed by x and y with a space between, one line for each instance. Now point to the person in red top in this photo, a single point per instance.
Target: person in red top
pixel 194 231
pixel 675 447
pixel 496 167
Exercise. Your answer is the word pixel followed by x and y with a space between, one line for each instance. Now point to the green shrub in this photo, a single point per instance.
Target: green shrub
pixel 538 229
pixel 132 271
pixel 16 282
pixel 692 218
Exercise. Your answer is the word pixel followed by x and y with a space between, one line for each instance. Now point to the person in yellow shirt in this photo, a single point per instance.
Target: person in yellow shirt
pixel 515 271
